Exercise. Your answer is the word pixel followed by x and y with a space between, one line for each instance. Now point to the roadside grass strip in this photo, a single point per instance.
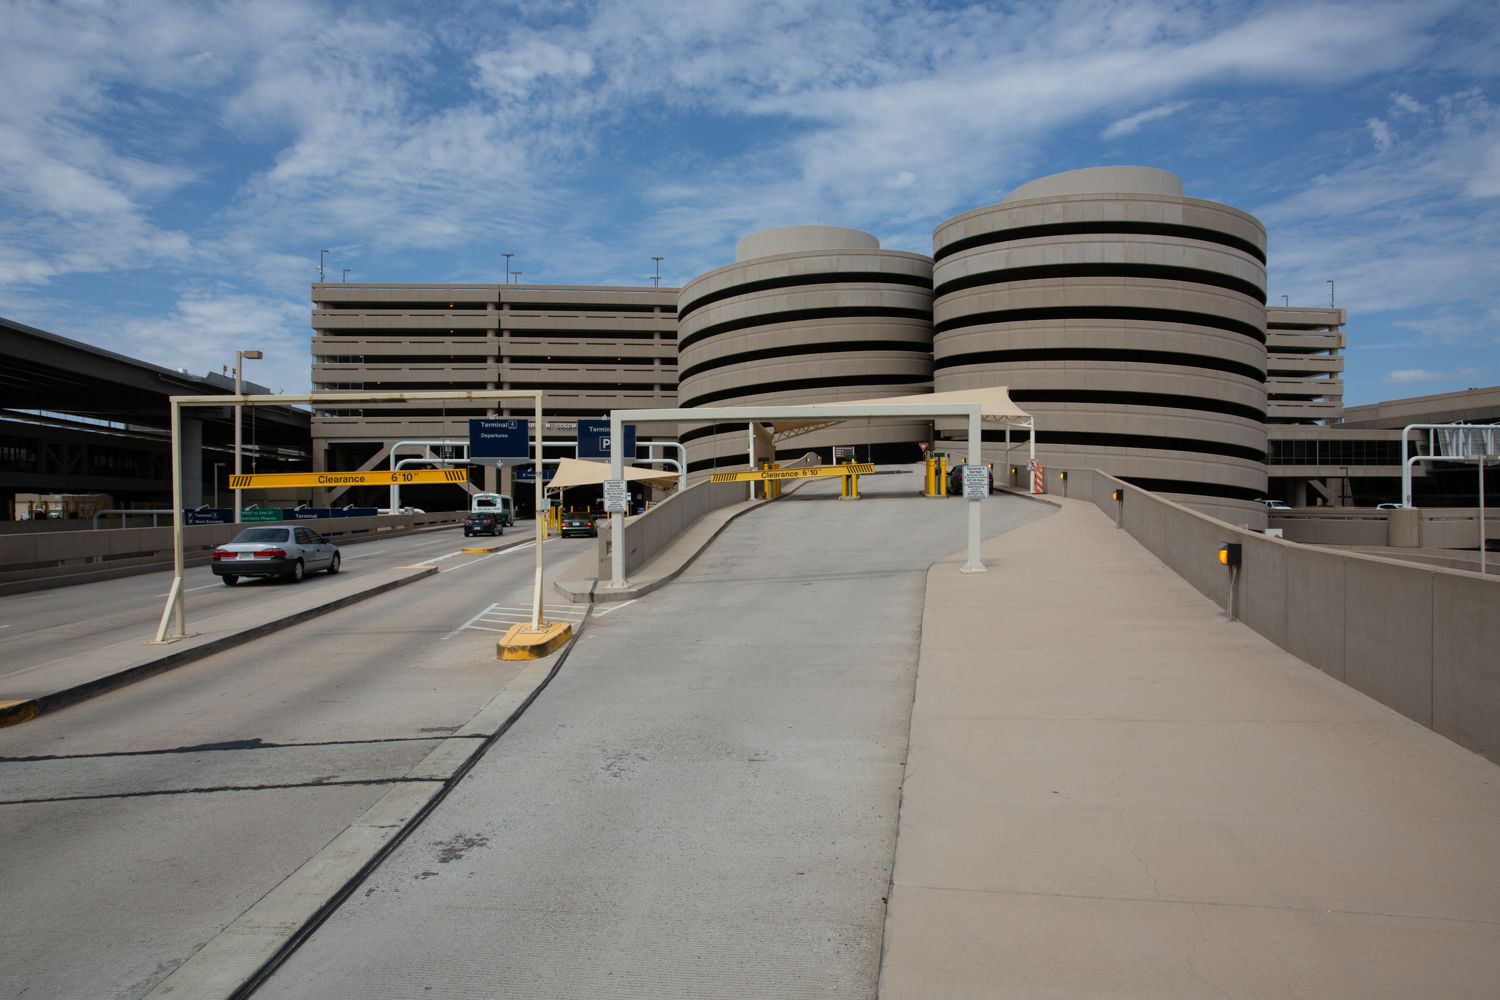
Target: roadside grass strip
pixel 500 617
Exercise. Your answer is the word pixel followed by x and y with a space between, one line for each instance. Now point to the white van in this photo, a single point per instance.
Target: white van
pixel 494 503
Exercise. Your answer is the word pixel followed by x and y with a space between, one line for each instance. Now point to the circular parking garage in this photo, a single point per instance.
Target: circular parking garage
pixel 806 314
pixel 1128 318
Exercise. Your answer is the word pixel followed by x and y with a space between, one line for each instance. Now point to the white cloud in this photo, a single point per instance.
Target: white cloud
pixel 1408 375
pixel 1380 132
pixel 1125 126
pixel 1408 104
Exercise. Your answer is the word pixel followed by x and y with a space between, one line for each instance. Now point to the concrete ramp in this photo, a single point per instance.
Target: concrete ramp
pixel 1113 790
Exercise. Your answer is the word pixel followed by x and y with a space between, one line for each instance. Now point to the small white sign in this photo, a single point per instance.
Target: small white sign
pixel 616 496
pixel 976 482
pixel 1033 465
pixel 842 452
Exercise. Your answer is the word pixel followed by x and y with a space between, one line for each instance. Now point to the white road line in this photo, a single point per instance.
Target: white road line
pixel 468 623
pixel 361 555
pixel 189 590
pixel 481 559
pixel 617 607
pixel 481 628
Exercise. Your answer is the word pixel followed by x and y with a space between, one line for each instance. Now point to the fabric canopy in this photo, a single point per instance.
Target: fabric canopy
pixel 573 472
pixel 995 406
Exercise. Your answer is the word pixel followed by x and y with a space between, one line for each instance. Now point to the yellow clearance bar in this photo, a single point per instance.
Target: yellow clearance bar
pixel 811 472
pixel 400 477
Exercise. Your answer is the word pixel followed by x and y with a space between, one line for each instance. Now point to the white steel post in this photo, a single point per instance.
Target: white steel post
pixel 1483 541
pixel 616 524
pixel 974 565
pixel 536 600
pixel 174 609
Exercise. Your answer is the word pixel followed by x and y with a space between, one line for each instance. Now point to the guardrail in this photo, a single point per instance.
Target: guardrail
pixel 41 560
pixel 1419 639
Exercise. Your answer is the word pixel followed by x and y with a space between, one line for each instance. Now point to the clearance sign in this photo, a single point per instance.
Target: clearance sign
pixel 811 472
pixel 400 477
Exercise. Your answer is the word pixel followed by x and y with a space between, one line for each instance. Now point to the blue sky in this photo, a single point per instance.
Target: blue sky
pixel 169 171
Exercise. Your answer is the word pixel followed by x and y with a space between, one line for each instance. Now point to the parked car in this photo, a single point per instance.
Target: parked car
pixel 291 552
pixel 1276 505
pixel 483 524
pixel 1388 506
pixel 579 524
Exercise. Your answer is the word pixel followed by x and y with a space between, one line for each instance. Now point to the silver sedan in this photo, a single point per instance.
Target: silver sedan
pixel 275 551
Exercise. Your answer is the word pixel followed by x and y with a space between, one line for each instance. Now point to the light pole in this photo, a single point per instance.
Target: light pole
pixel 1330 293
pixel 507 257
pixel 240 357
pixel 657 277
pixel 516 275
pixel 217 467
pixel 321 255
pixel 346 275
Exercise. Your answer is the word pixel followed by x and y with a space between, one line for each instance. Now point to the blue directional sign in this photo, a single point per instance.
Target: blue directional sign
pixel 593 439
pixel 492 437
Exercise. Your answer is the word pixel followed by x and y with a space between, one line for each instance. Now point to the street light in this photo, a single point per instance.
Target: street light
pixel 321 255
pixel 657 276
pixel 240 357
pixel 346 275
pixel 507 256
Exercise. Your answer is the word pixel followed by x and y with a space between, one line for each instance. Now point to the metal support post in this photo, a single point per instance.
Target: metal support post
pixel 541 532
pixel 974 564
pixel 174 610
pixel 617 526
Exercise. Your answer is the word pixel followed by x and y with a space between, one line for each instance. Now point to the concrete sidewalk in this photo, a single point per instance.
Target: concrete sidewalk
pixel 1113 790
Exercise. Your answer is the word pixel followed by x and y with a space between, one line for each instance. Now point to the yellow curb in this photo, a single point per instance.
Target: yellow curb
pixel 14 712
pixel 419 566
pixel 481 551
pixel 522 643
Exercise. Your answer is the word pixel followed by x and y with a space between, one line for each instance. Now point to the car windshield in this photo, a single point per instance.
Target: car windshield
pixel 262 535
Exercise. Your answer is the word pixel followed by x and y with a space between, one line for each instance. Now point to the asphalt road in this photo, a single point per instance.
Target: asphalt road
pixel 66 622
pixel 137 825
pixel 703 803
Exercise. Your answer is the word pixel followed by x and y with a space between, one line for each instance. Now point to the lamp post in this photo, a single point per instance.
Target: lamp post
pixel 240 357
pixel 322 257
pixel 656 278
pixel 507 255
pixel 217 467
pixel 346 275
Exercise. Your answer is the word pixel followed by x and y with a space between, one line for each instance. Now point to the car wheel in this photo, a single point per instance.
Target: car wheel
pixel 333 566
pixel 297 571
pixel 229 579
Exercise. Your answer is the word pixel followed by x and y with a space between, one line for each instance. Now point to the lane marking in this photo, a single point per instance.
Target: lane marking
pixel 612 609
pixel 361 555
pixel 468 623
pixel 189 590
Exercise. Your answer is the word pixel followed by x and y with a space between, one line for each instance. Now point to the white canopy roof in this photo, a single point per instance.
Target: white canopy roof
pixel 995 405
pixel 577 472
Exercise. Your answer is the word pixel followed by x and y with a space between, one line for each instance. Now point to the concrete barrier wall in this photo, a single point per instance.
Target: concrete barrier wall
pixel 649 533
pixel 64 557
pixel 1422 640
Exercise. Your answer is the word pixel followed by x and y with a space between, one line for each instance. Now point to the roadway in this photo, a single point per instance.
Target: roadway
pixel 138 824
pixel 703 803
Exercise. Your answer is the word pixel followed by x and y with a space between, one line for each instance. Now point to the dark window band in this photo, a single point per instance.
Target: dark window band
pixel 1159 272
pixel 1151 441
pixel 923 282
pixel 788 385
pixel 1117 355
pixel 801 316
pixel 1202 404
pixel 1128 313
pixel 1101 228
pixel 1190 488
pixel 795 350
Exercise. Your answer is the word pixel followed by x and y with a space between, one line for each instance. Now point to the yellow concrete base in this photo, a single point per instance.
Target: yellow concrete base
pixel 520 642
pixel 13 713
pixel 479 551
